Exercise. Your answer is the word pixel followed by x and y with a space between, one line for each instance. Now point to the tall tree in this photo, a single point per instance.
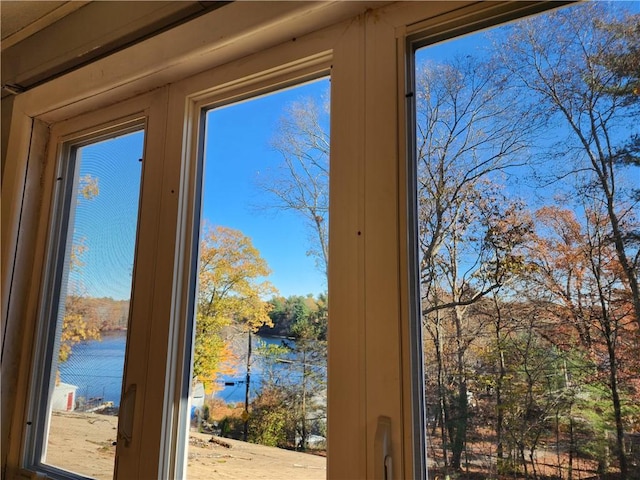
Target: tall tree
pixel 468 229
pixel 301 184
pixel 577 67
pixel 309 355
pixel 231 289
pixel 579 274
pixel 300 382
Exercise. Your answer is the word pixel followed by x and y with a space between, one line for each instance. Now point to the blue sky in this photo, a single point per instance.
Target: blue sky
pixel 106 223
pixel 238 148
pixel 237 152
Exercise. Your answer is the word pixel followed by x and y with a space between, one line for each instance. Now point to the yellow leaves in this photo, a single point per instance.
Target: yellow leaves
pixel 75 329
pixel 231 290
pixel 230 278
pixel 77 251
pixel 65 351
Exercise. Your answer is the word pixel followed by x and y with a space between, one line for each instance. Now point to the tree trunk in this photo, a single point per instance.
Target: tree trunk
pixel 618 240
pixel 442 401
pixel 533 463
pixel 572 445
pixel 617 411
pixel 499 384
pixel 462 413
pixel 500 413
pixel 303 440
pixel 460 429
pixel 245 433
pixel 523 459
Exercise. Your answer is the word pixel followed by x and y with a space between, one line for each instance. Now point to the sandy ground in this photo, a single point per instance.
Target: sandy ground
pixel 84 443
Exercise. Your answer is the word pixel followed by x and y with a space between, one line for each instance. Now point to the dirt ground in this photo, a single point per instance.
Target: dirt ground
pixel 84 443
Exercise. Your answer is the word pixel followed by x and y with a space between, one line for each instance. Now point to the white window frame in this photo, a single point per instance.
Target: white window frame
pixel 373 348
pixel 58 249
pixel 192 98
pixel 144 112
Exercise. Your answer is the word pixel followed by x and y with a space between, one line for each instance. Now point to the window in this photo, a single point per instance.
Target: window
pixel 525 207
pixel 88 303
pixel 259 374
pixel 195 74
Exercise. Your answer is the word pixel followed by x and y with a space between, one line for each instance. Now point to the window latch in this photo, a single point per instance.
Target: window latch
pixel 125 421
pixel 384 460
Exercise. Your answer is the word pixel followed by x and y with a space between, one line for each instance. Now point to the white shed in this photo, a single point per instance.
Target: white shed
pixel 64 397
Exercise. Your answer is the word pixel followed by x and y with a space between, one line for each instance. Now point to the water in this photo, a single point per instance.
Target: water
pixel 234 386
pixel 96 368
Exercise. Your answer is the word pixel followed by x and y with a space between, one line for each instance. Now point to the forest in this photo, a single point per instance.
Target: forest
pixel 529 236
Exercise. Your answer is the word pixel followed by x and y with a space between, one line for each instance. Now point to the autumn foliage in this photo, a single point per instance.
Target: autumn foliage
pixel 527 169
pixel 232 289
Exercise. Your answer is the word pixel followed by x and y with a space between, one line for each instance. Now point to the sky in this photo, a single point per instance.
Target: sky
pixel 105 224
pixel 238 153
pixel 238 150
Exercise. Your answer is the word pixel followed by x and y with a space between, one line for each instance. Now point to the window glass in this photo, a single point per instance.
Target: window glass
pixel 527 143
pixel 258 392
pixel 92 313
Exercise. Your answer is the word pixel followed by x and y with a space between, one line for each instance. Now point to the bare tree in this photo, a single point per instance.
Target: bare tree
pixel 474 129
pixel 301 183
pixel 469 229
pixel 565 62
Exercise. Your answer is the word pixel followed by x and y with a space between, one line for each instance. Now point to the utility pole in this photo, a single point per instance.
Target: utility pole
pixel 303 442
pixel 245 414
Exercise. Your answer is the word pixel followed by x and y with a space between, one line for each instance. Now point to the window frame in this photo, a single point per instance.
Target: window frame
pixel 418 35
pixel 196 101
pixel 372 276
pixel 30 419
pixel 54 278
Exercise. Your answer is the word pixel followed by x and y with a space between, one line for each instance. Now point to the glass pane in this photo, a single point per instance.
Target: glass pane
pixel 258 401
pixel 528 175
pixel 94 307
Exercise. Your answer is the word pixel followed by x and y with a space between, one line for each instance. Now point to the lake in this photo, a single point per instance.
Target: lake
pixel 96 368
